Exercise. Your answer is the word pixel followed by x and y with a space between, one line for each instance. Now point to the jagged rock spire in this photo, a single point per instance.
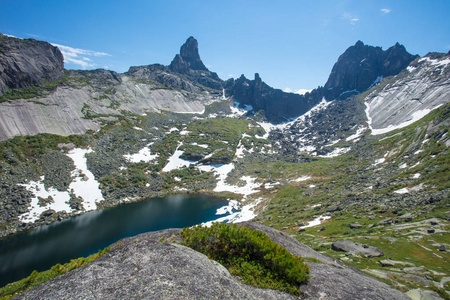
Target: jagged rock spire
pixel 188 58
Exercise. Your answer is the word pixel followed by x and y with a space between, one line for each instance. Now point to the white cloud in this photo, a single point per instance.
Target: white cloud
pixel 303 91
pixel 385 11
pixel 300 91
pixel 78 56
pixel 350 18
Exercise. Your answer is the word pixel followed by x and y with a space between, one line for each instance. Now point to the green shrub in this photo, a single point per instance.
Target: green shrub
pixel 249 254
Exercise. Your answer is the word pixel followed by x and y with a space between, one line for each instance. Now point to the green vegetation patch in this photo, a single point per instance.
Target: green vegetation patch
pixel 32 91
pixel 31 146
pixel 36 278
pixel 249 254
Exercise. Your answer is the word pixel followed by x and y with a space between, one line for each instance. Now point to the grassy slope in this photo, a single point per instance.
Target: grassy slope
pixel 420 146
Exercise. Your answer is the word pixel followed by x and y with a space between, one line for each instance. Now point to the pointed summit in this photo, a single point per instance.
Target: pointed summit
pixel 188 58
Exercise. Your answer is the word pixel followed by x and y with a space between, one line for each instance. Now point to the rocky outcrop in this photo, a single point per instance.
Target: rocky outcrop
pixel 356 248
pixel 361 65
pixel 28 62
pixel 277 105
pixel 189 58
pixel 188 63
pixel 186 72
pixel 141 267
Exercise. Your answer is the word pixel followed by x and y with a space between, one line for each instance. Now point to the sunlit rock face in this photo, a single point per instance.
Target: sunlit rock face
pixel 28 62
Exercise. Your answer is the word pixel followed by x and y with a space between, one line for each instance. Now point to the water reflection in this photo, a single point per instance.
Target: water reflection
pixel 83 235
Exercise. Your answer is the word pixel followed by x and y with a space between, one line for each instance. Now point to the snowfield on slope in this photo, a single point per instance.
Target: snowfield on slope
pixel 83 185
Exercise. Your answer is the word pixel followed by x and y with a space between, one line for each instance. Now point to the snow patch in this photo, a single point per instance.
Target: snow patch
pixel 359 133
pixel 379 161
pixel 59 203
pixel 175 162
pixel 85 186
pixel 143 155
pixel 316 221
pixel 301 178
pixel 336 152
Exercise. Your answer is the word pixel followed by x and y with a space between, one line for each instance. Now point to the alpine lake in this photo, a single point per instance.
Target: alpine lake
pixel 79 236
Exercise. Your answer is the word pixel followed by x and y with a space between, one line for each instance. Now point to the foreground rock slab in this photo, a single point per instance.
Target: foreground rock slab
pixel 141 267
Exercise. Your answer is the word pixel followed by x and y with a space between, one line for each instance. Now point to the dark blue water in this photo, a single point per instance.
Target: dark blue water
pixel 43 247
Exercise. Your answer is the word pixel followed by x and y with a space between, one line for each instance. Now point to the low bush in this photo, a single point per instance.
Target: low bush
pixel 249 254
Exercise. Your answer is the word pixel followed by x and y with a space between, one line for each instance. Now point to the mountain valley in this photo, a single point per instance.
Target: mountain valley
pixel 362 159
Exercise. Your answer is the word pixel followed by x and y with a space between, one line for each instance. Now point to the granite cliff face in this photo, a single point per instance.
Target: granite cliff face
pixel 361 65
pixel 28 62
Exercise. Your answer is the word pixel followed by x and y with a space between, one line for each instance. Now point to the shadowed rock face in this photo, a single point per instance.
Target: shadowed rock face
pixel 188 63
pixel 28 62
pixel 189 53
pixel 144 268
pixel 355 71
pixel 360 65
pixel 277 105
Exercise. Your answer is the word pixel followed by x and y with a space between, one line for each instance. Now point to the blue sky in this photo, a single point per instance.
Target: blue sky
pixel 291 44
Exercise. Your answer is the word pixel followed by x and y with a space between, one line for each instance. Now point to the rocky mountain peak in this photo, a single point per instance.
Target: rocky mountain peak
pixel 359 43
pixel 361 65
pixel 189 58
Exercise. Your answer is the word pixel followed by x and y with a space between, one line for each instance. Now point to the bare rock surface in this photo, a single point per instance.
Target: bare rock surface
pixel 356 248
pixel 141 267
pixel 28 62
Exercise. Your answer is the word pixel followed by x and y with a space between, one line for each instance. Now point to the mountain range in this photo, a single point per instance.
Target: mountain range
pixel 365 156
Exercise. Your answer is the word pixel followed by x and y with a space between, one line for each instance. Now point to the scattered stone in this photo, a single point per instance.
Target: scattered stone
pixel 393 263
pixel 417 270
pixel 406 217
pixel 333 208
pixel 385 221
pixel 390 239
pixel 419 294
pixel 346 259
pixel 441 248
pixel 354 225
pixel 356 248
